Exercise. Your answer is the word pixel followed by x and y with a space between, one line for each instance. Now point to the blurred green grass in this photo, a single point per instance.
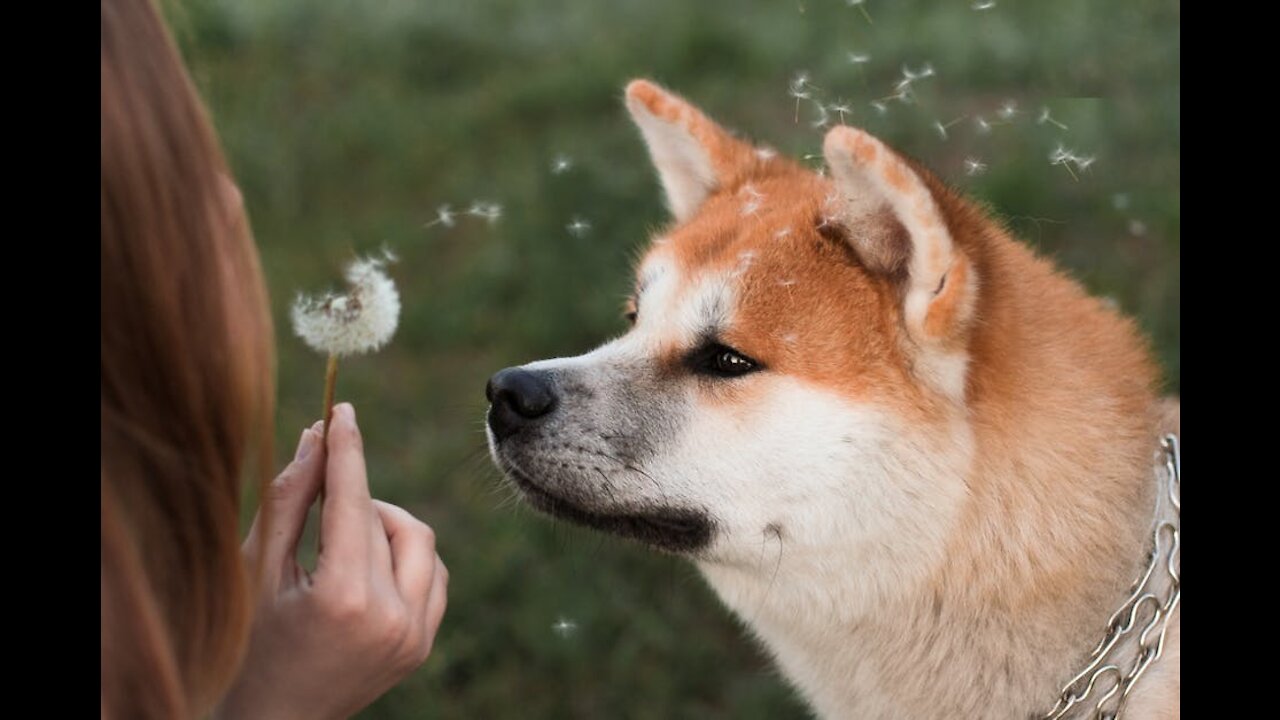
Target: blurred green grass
pixel 347 123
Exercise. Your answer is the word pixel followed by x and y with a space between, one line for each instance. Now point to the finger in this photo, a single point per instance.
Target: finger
pixel 348 509
pixel 285 503
pixel 438 600
pixel 413 553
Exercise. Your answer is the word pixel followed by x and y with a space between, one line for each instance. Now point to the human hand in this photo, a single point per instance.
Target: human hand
pixel 326 644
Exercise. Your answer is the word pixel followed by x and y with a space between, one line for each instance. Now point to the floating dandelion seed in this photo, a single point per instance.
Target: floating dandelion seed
pixel 880 107
pixel 578 227
pixel 360 321
pixel 942 129
pixel 444 216
pixel 841 108
pixel 823 119
pixel 1120 201
pixel 1137 228
pixel 1046 118
pixel 983 126
pixel 1008 110
pixel 1066 158
pixel 564 627
pixel 983 4
pixel 766 153
pixel 782 233
pixel 925 71
pixel 861 5
pixel 974 166
pixel 754 202
pixel 800 89
pixel 858 58
pixel 561 164
pixel 491 212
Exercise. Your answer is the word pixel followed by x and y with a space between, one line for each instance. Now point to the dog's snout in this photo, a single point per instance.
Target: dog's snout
pixel 517 398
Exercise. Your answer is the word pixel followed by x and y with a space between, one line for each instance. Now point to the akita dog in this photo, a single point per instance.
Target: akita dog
pixel 912 456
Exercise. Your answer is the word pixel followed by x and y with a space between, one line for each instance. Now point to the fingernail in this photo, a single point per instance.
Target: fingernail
pixel 305 445
pixel 346 409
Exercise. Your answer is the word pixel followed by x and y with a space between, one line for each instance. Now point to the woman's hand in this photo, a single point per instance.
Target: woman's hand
pixel 328 643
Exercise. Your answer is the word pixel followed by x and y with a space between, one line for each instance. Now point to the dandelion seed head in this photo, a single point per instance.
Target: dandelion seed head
pixel 360 321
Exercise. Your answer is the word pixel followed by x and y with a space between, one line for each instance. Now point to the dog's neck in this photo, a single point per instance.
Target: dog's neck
pixel 1045 544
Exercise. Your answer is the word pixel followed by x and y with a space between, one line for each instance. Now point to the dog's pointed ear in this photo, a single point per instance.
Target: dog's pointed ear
pixel 692 153
pixel 896 226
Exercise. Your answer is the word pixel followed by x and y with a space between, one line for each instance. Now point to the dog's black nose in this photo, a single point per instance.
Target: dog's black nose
pixel 517 398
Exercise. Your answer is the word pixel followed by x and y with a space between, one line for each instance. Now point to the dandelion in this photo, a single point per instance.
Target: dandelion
pixel 360 321
pixel 983 4
pixel 1008 110
pixel 1046 118
pixel 862 7
pixel 564 627
pixel 561 164
pixel 973 166
pixel 444 216
pixel 578 227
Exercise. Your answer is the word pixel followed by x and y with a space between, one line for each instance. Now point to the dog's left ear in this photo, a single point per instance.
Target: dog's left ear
pixel 895 225
pixel 692 153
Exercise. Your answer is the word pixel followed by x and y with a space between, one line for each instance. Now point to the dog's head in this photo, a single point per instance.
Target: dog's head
pixel 795 369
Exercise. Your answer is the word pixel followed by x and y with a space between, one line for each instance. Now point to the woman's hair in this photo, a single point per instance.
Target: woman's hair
pixel 187 383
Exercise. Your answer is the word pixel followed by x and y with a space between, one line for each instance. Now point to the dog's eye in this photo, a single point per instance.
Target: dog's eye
pixel 726 362
pixel 631 310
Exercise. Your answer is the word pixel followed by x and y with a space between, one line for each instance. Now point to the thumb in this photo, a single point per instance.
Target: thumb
pixel 286 502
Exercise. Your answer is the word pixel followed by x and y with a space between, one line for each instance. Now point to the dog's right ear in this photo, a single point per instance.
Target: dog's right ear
pixel 692 153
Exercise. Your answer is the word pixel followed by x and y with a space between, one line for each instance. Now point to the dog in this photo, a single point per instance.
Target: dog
pixel 914 458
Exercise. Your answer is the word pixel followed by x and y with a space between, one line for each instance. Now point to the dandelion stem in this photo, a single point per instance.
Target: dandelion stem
pixel 330 382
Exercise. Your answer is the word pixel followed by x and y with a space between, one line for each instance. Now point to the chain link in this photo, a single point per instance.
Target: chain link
pixel 1166 541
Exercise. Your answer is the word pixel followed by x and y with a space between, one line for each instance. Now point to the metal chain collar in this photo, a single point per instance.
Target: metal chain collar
pixel 1103 682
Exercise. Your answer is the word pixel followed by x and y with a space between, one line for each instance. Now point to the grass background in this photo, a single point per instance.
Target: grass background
pixel 348 122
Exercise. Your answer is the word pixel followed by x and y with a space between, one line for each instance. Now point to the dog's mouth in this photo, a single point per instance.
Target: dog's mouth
pixel 671 529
